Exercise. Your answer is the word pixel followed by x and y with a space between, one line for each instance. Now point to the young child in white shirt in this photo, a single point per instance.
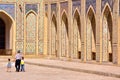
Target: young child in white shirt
pixel 9 65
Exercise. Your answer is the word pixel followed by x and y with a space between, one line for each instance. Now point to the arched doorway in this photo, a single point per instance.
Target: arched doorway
pixel 2 34
pixel 6 34
pixel 91 35
pixel 54 37
pixel 107 35
pixel 64 35
pixel 77 36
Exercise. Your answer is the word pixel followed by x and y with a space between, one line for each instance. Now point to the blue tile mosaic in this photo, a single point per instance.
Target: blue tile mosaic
pixel 54 8
pixel 76 4
pixel 9 8
pixel 33 7
pixel 92 3
pixel 64 5
pixel 110 2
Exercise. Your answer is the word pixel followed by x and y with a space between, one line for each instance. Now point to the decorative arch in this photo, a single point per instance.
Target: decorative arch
pixel 76 10
pixel 76 35
pixel 91 34
pixel 30 30
pixel 91 9
pixel 107 34
pixel 54 36
pixel 107 6
pixel 64 35
pixel 64 13
pixel 6 30
pixel 31 11
pixel 65 20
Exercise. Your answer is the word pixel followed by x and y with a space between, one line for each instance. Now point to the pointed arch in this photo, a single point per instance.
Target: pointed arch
pixel 91 34
pixel 106 8
pixel 107 33
pixel 90 9
pixel 54 21
pixel 2 11
pixel 65 20
pixel 77 18
pixel 76 35
pixel 7 29
pixel 64 35
pixel 31 11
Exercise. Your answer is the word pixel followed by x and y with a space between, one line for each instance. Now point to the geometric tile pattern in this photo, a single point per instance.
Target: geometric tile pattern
pixel 40 46
pixel 41 29
pixel 19 29
pixel 31 33
pixel 105 39
pixel 89 40
pixel 19 23
pixel 20 46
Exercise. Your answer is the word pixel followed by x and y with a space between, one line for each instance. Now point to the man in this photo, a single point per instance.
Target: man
pixel 18 57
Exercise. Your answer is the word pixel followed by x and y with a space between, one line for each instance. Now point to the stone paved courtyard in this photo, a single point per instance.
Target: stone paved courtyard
pixel 34 72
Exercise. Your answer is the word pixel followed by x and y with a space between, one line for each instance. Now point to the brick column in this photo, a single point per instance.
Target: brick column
pixel 49 29
pixel 69 27
pixel 115 31
pixel 59 29
pixel 98 32
pixel 118 35
pixel 83 31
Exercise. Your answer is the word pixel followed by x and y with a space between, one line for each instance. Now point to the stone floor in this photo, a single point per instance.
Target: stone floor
pixel 99 69
pixel 46 69
pixel 34 72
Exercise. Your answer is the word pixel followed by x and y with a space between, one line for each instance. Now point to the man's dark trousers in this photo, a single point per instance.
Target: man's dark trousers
pixel 17 65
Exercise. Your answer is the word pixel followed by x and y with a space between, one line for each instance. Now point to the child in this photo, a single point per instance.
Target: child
pixel 22 65
pixel 9 65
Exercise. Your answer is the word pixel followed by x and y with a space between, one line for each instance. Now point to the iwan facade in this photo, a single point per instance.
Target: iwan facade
pixel 85 30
